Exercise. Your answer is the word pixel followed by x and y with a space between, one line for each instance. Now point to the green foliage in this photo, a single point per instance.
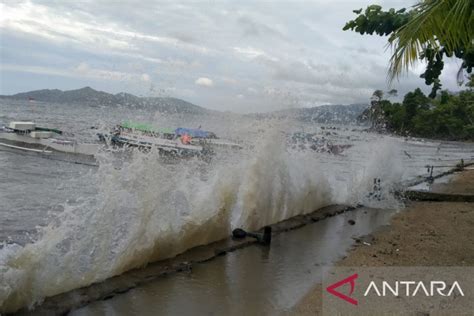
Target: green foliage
pixel 470 83
pixel 414 103
pixel 395 115
pixel 448 116
pixel 374 20
pixel 439 25
pixel 432 30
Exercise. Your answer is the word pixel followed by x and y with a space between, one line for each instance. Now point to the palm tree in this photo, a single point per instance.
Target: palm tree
pixel 437 24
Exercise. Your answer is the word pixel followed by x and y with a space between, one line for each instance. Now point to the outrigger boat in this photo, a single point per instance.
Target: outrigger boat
pixel 26 136
pixel 145 137
pixel 181 142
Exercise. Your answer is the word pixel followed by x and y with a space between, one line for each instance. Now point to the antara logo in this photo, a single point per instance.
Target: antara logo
pixel 397 288
pixel 351 280
pixel 412 288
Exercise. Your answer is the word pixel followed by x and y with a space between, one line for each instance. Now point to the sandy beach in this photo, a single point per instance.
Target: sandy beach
pixel 422 234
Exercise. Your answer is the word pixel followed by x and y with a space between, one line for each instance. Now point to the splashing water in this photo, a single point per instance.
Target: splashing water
pixel 147 210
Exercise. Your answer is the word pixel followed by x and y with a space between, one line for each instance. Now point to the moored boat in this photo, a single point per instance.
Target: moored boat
pixel 27 136
pixel 180 142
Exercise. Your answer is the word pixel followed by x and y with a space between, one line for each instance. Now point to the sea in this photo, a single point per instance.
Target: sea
pixel 65 224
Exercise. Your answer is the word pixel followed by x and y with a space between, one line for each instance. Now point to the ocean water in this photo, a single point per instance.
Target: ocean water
pixel 64 225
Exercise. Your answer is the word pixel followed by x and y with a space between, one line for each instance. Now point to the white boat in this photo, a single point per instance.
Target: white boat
pixel 180 142
pixel 172 146
pixel 29 137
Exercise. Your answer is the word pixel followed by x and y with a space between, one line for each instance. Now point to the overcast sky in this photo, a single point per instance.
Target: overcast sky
pixel 226 55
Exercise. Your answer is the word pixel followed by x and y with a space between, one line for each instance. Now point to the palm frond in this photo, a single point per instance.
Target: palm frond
pixel 435 24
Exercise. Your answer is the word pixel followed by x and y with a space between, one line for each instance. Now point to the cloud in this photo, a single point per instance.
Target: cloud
pixel 275 55
pixel 83 70
pixel 82 28
pixel 252 53
pixel 252 90
pixel 205 82
pixel 251 27
pixel 37 70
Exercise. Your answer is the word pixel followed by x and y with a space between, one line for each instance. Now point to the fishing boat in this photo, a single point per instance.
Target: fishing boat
pixel 145 137
pixel 199 136
pixel 27 136
pixel 180 142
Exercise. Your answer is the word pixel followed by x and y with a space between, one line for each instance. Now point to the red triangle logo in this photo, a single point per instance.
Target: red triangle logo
pixel 351 280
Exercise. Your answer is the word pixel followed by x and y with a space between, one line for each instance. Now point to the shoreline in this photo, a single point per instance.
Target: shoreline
pixel 62 303
pixel 425 233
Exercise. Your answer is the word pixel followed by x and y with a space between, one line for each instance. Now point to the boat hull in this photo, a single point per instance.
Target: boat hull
pixel 49 144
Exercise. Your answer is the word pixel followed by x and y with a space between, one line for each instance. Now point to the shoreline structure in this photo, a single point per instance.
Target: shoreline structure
pixel 65 302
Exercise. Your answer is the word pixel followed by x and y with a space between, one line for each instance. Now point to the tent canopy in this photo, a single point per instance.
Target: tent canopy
pixel 196 133
pixel 143 127
pixel 180 131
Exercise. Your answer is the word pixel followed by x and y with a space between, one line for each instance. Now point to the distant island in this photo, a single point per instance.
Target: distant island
pixel 341 114
pixel 91 97
pixel 331 114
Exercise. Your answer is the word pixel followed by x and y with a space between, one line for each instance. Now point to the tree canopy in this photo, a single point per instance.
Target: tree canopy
pixel 430 31
pixel 449 116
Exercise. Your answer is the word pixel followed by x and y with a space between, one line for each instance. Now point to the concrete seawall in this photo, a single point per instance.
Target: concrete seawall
pixel 63 303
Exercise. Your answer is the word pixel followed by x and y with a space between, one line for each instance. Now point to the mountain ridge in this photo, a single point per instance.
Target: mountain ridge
pixel 88 96
pixel 329 113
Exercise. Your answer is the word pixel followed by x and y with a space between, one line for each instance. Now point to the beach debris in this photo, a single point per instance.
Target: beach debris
pixel 351 222
pixel 366 240
pixel 264 238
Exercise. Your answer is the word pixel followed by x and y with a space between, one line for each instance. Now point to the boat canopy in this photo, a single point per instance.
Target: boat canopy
pixel 143 127
pixel 196 133
pixel 45 129
pixel 180 131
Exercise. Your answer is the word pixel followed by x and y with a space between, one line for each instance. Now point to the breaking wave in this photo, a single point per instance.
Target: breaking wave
pixel 146 210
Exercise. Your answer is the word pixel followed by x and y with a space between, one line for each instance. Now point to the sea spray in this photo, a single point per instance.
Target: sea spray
pixel 384 165
pixel 278 184
pixel 147 210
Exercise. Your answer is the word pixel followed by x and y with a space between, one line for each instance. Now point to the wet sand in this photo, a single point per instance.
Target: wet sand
pixel 422 234
pixel 463 183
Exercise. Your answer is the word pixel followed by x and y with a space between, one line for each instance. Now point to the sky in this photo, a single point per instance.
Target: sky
pixel 239 56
